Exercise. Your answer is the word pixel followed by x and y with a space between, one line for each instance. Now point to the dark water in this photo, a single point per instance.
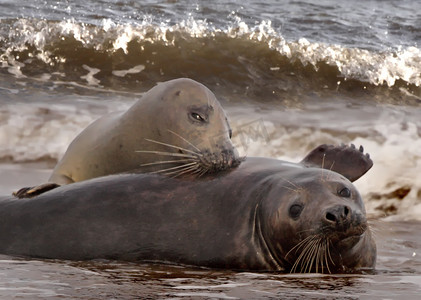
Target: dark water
pixel 291 75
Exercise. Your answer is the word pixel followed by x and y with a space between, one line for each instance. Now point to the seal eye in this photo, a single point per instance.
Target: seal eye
pixel 345 192
pixel 197 117
pixel 295 211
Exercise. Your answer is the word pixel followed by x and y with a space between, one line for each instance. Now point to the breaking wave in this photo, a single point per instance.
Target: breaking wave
pixel 246 57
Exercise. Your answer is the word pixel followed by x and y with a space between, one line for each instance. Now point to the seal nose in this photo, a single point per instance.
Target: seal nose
pixel 230 157
pixel 338 216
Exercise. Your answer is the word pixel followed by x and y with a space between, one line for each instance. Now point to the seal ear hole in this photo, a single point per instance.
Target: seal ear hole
pixel 295 210
pixel 345 192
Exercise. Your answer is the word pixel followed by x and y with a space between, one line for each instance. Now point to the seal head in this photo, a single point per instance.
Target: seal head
pixel 318 225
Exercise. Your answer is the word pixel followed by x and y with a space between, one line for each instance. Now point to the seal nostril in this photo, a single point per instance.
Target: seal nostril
pixel 346 211
pixel 330 217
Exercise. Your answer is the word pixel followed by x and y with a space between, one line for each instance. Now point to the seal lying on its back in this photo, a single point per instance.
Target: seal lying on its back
pixel 265 214
pixel 177 127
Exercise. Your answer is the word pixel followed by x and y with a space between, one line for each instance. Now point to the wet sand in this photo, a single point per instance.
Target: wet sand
pixel 16 176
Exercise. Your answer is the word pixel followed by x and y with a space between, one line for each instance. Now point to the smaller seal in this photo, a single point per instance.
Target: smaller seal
pixel 176 128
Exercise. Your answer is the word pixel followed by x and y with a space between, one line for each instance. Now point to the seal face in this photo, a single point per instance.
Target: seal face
pixel 176 128
pixel 265 215
pixel 317 225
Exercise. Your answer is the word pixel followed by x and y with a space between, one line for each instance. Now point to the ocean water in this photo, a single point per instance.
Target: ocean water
pixel 290 74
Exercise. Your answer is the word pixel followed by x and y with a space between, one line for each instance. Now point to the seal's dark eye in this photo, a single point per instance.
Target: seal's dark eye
pixel 345 192
pixel 295 210
pixel 197 117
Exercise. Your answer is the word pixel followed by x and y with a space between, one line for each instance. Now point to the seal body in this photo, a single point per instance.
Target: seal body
pixel 177 126
pixel 266 215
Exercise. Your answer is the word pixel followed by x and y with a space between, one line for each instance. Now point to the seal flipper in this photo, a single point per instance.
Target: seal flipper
pixel 29 192
pixel 345 160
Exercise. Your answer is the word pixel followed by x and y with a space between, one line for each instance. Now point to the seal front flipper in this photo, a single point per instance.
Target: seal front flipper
pixel 345 160
pixel 29 192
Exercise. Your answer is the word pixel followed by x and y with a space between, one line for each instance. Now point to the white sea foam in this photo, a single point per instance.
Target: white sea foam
pixel 393 142
pixel 90 76
pixel 372 67
pixel 378 68
pixel 134 70
pixel 33 131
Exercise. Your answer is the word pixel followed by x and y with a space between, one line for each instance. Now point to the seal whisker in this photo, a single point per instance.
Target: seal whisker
pixel 326 252
pixel 323 165
pixel 175 147
pixel 323 160
pixel 173 168
pixel 198 169
pixel 166 153
pixel 322 249
pixel 316 255
pixel 372 230
pixel 166 162
pixel 183 171
pixel 191 144
pixel 306 244
pixel 320 255
pixel 174 174
pixel 291 189
pixel 291 183
pixel 303 256
pixel 305 260
pixel 296 263
pixel 298 246
pixel 307 230
pixel 330 169
pixel 310 255
pixel 203 172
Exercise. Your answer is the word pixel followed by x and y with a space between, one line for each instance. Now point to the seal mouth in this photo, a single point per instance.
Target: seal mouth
pixel 215 162
pixel 349 231
pixel 320 250
pixel 349 241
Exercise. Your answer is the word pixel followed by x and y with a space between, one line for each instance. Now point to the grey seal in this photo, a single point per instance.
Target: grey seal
pixel 177 127
pixel 265 215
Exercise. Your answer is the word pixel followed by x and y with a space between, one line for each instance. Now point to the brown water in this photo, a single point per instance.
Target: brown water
pixel 398 276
